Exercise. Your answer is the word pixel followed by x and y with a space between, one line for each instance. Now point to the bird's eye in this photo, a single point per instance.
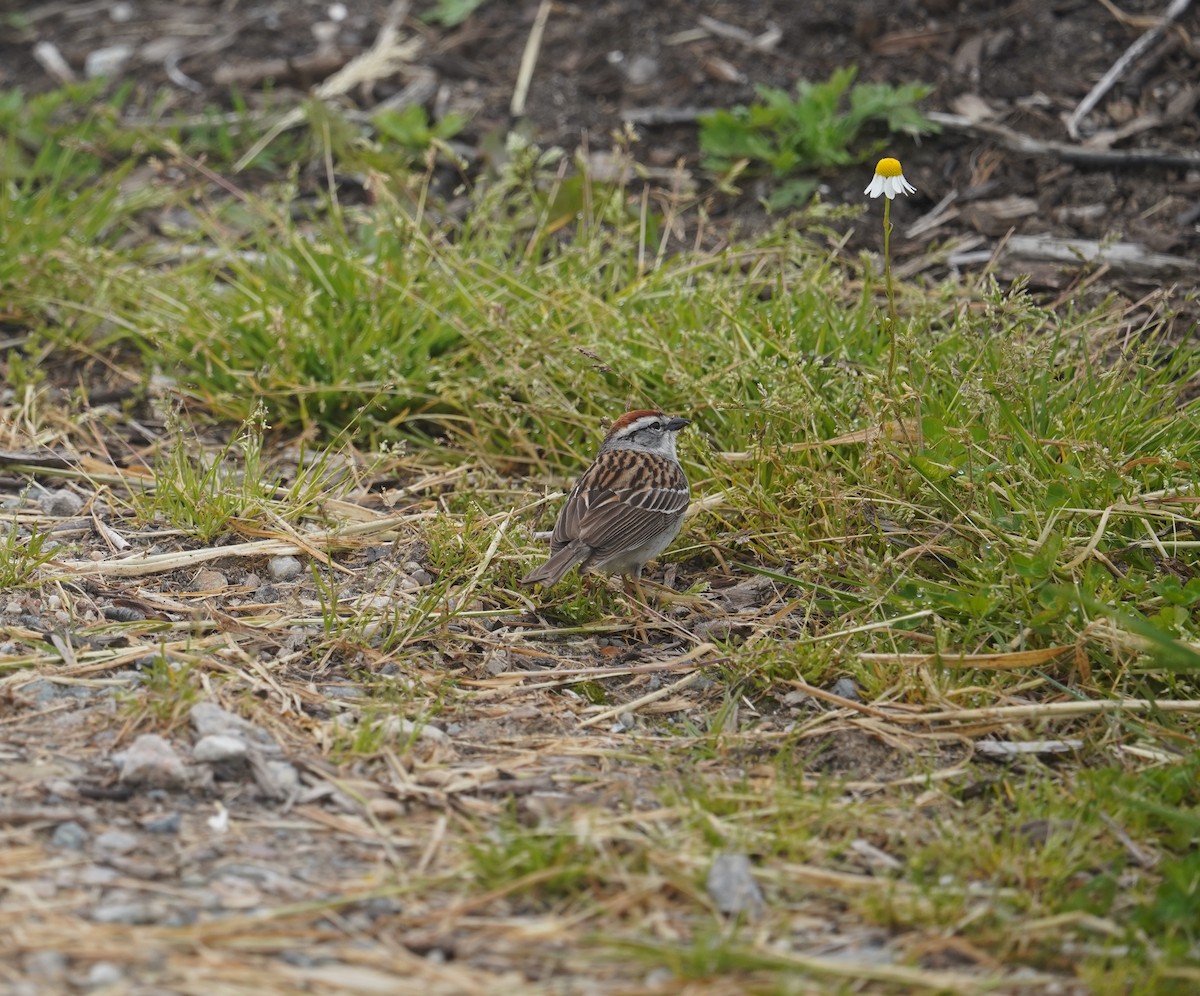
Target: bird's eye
pixel 657 426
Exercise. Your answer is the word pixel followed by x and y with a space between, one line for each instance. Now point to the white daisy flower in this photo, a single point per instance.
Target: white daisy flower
pixel 889 180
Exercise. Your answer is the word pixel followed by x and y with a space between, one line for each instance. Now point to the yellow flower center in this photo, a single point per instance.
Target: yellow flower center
pixel 888 167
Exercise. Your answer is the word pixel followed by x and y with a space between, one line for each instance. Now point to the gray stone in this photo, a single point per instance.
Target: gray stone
pixel 399 728
pixel 218 748
pixel 62 504
pixel 70 836
pixel 207 579
pixel 104 973
pixel 284 568
pixel 113 843
pixel 49 966
pixel 152 762
pixel 847 689
pixel 276 780
pixel 96 875
pixel 167 823
pixel 40 692
pixel 732 887
pixel 107 61
pixel 132 912
pixel 208 718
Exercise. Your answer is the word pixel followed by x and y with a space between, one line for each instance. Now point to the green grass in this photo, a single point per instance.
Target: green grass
pixel 1027 481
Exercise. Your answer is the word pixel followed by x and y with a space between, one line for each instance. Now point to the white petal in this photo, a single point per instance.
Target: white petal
pixel 877 186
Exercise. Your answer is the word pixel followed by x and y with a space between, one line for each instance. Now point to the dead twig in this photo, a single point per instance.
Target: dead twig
pixel 533 45
pixel 1066 151
pixel 1130 55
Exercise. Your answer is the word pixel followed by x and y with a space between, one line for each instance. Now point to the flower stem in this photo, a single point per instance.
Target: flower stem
pixel 891 290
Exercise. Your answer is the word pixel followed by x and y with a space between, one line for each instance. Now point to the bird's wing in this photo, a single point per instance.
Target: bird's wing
pixel 625 513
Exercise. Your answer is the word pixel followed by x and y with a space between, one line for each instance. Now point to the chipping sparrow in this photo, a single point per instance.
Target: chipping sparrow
pixel 627 506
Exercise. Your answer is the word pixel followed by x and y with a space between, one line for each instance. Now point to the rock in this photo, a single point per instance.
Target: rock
pixel 95 875
pixel 732 887
pixel 48 966
pixel 62 504
pixel 276 780
pixel 207 579
pixel 70 836
pixel 284 568
pixel 209 719
pixel 107 61
pixel 131 912
pixel 39 692
pixel 167 823
pixel 152 762
pixel 847 689
pixel 113 843
pixel 641 69
pixel 399 728
pixel 218 748
pixel 104 973
pixel 723 629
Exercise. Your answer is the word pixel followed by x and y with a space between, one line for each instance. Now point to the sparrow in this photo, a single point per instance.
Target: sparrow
pixel 627 506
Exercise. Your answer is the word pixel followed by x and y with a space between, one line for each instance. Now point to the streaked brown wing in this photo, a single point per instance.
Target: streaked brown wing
pixel 621 518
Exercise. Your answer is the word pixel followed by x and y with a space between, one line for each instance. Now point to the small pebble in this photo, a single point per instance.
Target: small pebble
pixel 39 692
pixel 133 913
pixel 732 886
pixel 277 780
pixel 267 594
pixel 209 718
pixel 107 61
pixel 113 843
pixel 217 748
pixel 847 689
pixel 207 579
pixel 97 875
pixel 70 836
pixel 168 823
pixel 46 965
pixel 151 761
pixel 397 727
pixel 284 568
pixel 104 973
pixel 62 504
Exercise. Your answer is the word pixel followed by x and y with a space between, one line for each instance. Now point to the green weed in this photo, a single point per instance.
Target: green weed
pixel 22 553
pixel 817 128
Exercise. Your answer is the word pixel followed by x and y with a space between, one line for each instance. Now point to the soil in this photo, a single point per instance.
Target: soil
pixel 1021 67
pixel 120 870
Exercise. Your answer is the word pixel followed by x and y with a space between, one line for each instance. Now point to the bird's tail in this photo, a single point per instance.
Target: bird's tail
pixel 552 571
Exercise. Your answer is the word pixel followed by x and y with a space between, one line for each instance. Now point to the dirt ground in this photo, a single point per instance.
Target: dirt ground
pixel 107 857
pixel 998 187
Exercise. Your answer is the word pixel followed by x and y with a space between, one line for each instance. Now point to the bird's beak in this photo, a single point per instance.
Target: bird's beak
pixel 675 424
